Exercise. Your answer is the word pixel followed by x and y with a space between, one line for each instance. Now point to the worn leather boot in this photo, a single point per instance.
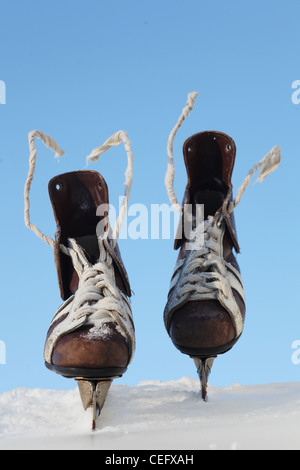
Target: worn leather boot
pixel 91 338
pixel 205 311
pixel 99 346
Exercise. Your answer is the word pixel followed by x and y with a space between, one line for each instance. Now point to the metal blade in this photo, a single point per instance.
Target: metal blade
pixel 93 395
pixel 204 366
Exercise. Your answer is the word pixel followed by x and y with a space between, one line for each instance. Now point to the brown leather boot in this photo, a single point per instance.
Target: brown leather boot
pixel 205 311
pixel 97 347
pixel 91 338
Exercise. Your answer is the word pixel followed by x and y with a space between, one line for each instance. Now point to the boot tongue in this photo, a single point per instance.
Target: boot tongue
pixel 212 201
pixel 209 155
pixel 89 243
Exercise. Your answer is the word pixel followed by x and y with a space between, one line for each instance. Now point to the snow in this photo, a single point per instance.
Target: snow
pixel 102 331
pixel 155 415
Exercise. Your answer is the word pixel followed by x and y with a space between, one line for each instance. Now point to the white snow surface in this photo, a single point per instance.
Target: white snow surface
pixel 155 415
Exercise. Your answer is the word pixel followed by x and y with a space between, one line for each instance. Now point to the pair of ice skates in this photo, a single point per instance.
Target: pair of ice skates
pixel 91 338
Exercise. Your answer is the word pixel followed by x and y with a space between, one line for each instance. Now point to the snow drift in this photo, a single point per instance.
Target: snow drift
pixel 155 416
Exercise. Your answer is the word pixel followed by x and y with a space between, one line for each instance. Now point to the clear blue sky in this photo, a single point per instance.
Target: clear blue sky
pixel 81 70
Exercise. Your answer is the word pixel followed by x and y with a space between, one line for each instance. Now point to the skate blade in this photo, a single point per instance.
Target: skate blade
pixel 204 366
pixel 93 394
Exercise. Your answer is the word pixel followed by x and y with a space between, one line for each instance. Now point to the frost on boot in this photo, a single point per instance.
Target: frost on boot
pixel 205 311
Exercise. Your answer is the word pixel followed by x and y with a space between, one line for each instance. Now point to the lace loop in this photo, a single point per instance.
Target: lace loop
pixel 50 143
pixel 115 139
pixel 268 164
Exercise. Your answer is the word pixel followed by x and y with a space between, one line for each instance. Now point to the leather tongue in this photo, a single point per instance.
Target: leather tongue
pixel 91 248
pixel 212 201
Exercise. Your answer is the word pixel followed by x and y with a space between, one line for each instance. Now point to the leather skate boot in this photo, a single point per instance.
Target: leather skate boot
pixel 91 338
pixel 205 311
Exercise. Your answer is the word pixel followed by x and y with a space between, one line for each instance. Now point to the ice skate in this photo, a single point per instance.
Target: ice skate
pixel 91 338
pixel 205 312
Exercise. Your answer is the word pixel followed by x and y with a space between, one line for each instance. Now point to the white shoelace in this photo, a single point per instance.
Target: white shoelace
pixel 97 293
pixel 205 271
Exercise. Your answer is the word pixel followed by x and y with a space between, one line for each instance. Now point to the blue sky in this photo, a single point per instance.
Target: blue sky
pixel 80 71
